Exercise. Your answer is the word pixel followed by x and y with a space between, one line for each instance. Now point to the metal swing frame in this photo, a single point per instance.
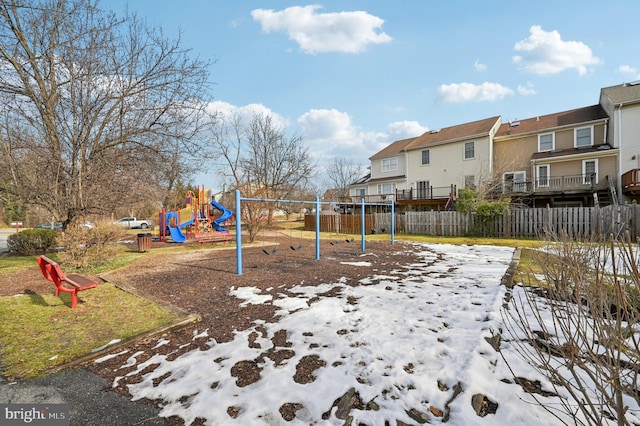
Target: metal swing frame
pixel 317 203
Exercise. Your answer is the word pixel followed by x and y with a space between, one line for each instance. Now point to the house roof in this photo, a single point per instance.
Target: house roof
pixel 367 179
pixel 454 133
pixel 623 93
pixel 572 151
pixel 392 149
pixel 363 179
pixel 387 178
pixel 551 121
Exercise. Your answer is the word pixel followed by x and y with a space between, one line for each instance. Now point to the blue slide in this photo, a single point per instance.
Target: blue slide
pixel 226 215
pixel 176 234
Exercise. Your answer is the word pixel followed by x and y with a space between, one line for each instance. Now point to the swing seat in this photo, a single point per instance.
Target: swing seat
pixel 265 251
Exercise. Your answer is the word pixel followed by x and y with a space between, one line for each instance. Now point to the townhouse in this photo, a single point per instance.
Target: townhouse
pixel 424 173
pixel 622 105
pixel 561 160
pixel 581 157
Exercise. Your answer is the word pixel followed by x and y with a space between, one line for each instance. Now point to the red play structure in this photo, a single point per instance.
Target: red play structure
pixel 198 220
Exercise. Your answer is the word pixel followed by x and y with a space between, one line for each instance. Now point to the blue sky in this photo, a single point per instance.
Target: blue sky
pixel 353 76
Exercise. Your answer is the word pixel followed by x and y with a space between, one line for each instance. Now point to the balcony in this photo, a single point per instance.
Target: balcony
pixel 357 199
pixel 430 193
pixel 427 195
pixel 631 182
pixel 554 184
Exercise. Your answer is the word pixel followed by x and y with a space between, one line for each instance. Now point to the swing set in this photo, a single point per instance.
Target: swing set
pixel 317 203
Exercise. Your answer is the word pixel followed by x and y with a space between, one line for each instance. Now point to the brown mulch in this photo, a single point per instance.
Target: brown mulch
pixel 199 282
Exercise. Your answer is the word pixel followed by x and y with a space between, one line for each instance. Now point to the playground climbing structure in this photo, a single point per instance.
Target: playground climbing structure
pixel 202 219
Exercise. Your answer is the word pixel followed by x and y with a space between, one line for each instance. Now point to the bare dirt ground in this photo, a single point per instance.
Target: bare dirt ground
pixel 199 282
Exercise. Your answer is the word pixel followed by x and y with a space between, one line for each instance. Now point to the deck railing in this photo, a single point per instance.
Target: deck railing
pixel 357 199
pixel 552 184
pixel 631 180
pixel 428 193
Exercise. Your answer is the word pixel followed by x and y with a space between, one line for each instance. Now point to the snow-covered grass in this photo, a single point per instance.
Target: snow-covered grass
pixel 412 343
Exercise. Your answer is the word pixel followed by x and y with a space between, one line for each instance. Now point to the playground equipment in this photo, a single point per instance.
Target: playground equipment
pixel 317 204
pixel 196 221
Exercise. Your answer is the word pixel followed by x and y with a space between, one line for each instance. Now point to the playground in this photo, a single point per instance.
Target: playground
pixel 399 333
pixel 345 321
pixel 201 219
pixel 233 307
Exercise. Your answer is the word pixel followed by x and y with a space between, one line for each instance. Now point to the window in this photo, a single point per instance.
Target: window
pixel 590 171
pixel 422 189
pixel 583 137
pixel 546 142
pixel 543 175
pixel 515 181
pixel 360 192
pixel 390 164
pixel 425 157
pixel 469 150
pixel 470 181
pixel 386 188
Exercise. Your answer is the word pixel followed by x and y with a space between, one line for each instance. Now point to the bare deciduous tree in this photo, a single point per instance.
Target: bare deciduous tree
pixel 341 173
pixel 278 164
pixel 261 161
pixel 94 108
pixel 579 330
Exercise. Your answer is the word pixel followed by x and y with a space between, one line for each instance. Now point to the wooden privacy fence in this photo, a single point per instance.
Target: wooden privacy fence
pixel 441 223
pixel 578 222
pixel 341 223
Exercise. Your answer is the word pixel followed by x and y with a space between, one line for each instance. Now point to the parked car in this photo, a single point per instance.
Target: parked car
pixel 55 225
pixel 132 222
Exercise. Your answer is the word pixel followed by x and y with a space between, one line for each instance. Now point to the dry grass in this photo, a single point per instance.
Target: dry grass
pixel 40 331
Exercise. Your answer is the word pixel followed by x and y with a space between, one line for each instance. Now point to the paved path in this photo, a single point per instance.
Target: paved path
pixel 91 402
pixel 4 234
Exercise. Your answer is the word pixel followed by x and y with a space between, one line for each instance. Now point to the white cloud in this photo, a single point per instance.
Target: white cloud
pixel 327 124
pixel 246 112
pixel 526 90
pixel 346 32
pixel 405 129
pixel 467 92
pixel 330 133
pixel 629 70
pixel 545 52
pixel 479 67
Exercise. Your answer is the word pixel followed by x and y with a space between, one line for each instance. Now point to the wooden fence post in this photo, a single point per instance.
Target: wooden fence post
pixel 506 219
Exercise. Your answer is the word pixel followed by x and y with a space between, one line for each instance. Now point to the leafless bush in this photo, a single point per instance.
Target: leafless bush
pixel 90 247
pixel 255 215
pixel 581 330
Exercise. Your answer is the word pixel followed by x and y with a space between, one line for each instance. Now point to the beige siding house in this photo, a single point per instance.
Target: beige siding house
pixel 425 172
pixel 560 159
pixel 441 161
pixel 388 172
pixel 581 157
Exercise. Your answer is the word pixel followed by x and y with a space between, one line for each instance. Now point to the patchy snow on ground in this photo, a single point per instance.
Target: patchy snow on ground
pixel 413 344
